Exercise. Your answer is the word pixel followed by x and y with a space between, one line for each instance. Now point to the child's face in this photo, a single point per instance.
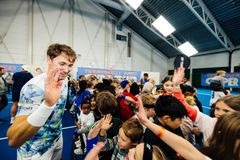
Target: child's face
pixel 93 104
pixel 123 141
pixel 174 124
pixel 86 108
pixel 150 112
pixel 221 108
pixel 159 92
pixel 168 87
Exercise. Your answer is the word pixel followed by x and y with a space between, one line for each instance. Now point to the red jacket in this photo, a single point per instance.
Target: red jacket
pixel 126 111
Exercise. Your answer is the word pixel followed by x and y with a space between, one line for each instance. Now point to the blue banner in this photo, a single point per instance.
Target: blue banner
pixel 9 67
pixel 101 73
pixel 232 80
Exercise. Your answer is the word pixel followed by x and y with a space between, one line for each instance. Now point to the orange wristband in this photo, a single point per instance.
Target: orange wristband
pixel 161 132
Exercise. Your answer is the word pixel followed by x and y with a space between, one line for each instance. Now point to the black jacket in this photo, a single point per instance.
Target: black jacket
pixel 151 138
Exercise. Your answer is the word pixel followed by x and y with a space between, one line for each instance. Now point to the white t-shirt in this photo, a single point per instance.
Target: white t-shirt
pixel 31 97
pixel 215 95
pixel 86 120
pixel 206 124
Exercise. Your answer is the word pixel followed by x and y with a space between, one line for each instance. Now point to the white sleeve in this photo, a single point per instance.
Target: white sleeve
pixel 205 124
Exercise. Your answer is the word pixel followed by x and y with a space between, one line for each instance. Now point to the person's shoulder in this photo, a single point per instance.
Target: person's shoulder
pixel 29 74
pixel 16 74
pixel 37 81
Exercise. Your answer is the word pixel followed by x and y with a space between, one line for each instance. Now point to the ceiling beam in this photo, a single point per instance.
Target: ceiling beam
pixel 200 10
pixel 110 3
pixel 123 17
pixel 147 19
pixel 117 6
pixel 132 30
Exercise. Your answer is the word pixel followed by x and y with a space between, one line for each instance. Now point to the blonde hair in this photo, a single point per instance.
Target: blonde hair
pixel 190 100
pixel 148 99
pixel 147 87
pixel 220 72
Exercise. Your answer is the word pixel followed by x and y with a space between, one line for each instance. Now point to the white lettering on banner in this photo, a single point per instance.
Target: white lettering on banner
pixel 232 82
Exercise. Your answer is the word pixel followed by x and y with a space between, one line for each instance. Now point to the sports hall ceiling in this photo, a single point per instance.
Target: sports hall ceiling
pixel 209 25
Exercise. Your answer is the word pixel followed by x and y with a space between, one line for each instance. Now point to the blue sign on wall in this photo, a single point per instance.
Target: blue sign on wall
pixel 101 73
pixel 9 67
pixel 232 80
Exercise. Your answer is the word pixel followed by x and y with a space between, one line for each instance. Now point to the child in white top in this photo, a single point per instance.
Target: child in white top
pixel 86 118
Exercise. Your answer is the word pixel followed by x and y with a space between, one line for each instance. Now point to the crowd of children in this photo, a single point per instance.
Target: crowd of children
pixel 121 119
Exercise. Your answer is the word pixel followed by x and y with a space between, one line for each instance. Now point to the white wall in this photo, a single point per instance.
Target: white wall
pixel 90 31
pixel 235 59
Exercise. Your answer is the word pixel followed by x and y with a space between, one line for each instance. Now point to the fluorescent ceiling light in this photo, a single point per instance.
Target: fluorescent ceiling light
pixel 163 26
pixel 134 3
pixel 187 49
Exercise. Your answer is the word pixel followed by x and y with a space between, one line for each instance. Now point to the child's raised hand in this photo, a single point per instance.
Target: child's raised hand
pixel 142 117
pixel 106 122
pixel 178 75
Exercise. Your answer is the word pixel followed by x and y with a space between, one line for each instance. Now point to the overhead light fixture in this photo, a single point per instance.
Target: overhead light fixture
pixel 134 3
pixel 187 49
pixel 163 26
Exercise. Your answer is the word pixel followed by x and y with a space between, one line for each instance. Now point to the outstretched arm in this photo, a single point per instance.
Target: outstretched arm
pixel 177 78
pixel 179 144
pixel 24 127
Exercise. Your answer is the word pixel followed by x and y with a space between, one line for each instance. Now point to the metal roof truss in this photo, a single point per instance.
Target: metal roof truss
pixel 200 10
pixel 147 19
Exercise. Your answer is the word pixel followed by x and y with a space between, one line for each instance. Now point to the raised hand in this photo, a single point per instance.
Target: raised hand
pixel 178 76
pixel 106 122
pixel 52 87
pixel 141 114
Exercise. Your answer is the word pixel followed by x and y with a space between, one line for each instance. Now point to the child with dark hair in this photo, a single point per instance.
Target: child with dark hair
pixel 144 79
pixel 190 91
pixel 111 89
pixel 82 95
pixel 187 124
pixel 99 87
pixel 223 144
pixel 169 112
pixel 84 121
pixel 86 118
pixel 159 91
pixel 96 113
pixel 107 82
